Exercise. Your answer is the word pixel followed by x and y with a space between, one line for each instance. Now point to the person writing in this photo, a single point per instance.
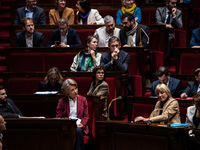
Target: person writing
pixel 74 106
pixel 168 105
pixel 88 58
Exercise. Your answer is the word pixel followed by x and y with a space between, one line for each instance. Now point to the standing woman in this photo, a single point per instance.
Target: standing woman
pixel 74 106
pixel 88 58
pixel 129 6
pixel 99 86
pixel 61 11
pixel 168 105
pixel 86 15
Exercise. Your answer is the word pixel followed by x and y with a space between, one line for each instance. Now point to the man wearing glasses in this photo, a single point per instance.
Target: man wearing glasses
pixel 171 17
pixel 64 36
pixel 31 10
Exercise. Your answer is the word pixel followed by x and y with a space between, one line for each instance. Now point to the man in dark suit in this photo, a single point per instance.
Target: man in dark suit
pixel 192 87
pixel 8 109
pixel 116 59
pixel 175 85
pixel 29 37
pixel 195 40
pixel 31 10
pixel 171 17
pixel 64 36
pixel 130 34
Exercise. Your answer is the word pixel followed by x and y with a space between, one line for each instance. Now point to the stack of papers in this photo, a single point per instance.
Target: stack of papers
pixel 46 93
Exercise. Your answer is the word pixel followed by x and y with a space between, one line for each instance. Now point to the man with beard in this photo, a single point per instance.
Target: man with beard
pixel 104 33
pixel 2 128
pixel 130 33
pixel 8 109
pixel 29 37
pixel 171 17
pixel 31 10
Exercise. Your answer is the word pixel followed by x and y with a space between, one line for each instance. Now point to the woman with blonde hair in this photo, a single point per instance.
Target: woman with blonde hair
pixel 166 109
pixel 61 11
pixel 52 81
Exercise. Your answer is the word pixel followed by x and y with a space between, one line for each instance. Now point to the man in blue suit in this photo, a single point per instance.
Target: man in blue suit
pixel 31 10
pixel 116 59
pixel 64 36
pixel 8 109
pixel 195 40
pixel 175 85
pixel 29 37
pixel 192 87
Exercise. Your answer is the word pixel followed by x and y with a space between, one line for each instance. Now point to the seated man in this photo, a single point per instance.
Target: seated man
pixel 29 37
pixel 31 10
pixel 130 33
pixel 175 85
pixel 64 36
pixel 192 87
pixel 195 40
pixel 104 33
pixel 8 109
pixel 171 17
pixel 116 59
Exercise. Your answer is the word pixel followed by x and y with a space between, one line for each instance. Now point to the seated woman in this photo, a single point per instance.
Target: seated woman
pixel 99 86
pixel 169 106
pixel 61 11
pixel 52 81
pixel 88 58
pixel 86 15
pixel 130 7
pixel 74 106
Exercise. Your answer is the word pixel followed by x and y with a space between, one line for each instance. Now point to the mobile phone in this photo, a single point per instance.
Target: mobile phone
pixel 57 42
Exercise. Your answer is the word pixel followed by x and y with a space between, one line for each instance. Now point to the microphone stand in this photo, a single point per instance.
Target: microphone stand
pixel 140 44
pixel 120 97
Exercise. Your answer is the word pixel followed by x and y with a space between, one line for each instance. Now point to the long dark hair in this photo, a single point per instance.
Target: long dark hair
pixel 88 40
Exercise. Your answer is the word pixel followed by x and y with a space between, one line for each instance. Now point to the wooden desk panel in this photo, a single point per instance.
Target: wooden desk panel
pixel 40 134
pixel 115 135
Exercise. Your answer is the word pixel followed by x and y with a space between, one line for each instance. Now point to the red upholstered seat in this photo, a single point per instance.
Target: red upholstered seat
pixel 61 61
pixel 183 112
pixel 83 34
pixel 142 110
pixel 133 65
pixel 23 86
pixel 47 35
pixel 136 83
pixel 179 38
pixel 148 16
pixel 155 40
pixel 189 63
pixel 26 63
pixel 111 12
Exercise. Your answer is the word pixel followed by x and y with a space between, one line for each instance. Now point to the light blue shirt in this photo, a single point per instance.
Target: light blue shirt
pixel 29 13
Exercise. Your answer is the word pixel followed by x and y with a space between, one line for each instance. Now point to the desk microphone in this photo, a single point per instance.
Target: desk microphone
pixel 140 44
pixel 118 98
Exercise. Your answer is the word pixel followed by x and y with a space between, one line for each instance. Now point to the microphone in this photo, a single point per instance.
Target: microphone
pixel 148 122
pixel 140 44
pixel 118 98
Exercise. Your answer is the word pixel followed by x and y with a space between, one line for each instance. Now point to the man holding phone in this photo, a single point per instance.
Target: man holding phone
pixel 64 36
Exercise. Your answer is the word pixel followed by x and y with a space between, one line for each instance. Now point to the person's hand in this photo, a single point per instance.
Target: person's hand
pixel 92 52
pixel 126 45
pixel 140 118
pixel 136 18
pixel 169 26
pixel 92 23
pixel 80 125
pixel 63 45
pixel 174 12
pixel 183 95
pixel 115 54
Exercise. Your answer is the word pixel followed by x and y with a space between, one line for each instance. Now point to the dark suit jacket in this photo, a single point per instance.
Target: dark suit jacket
pixel 45 87
pixel 38 15
pixel 123 37
pixel 121 64
pixel 14 113
pixel 72 38
pixel 192 88
pixel 63 110
pixel 175 22
pixel 175 86
pixel 38 39
pixel 195 40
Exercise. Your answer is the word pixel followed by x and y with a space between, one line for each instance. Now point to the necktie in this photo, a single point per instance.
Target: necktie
pixel 168 18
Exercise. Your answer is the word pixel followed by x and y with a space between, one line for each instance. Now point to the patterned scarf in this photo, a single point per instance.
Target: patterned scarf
pixel 130 34
pixel 130 10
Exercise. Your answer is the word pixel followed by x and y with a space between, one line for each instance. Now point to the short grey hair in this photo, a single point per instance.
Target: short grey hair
pixel 66 84
pixel 108 18
pixel 63 21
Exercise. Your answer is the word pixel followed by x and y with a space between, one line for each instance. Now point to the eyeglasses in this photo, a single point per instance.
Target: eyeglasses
pixel 100 72
pixel 113 46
